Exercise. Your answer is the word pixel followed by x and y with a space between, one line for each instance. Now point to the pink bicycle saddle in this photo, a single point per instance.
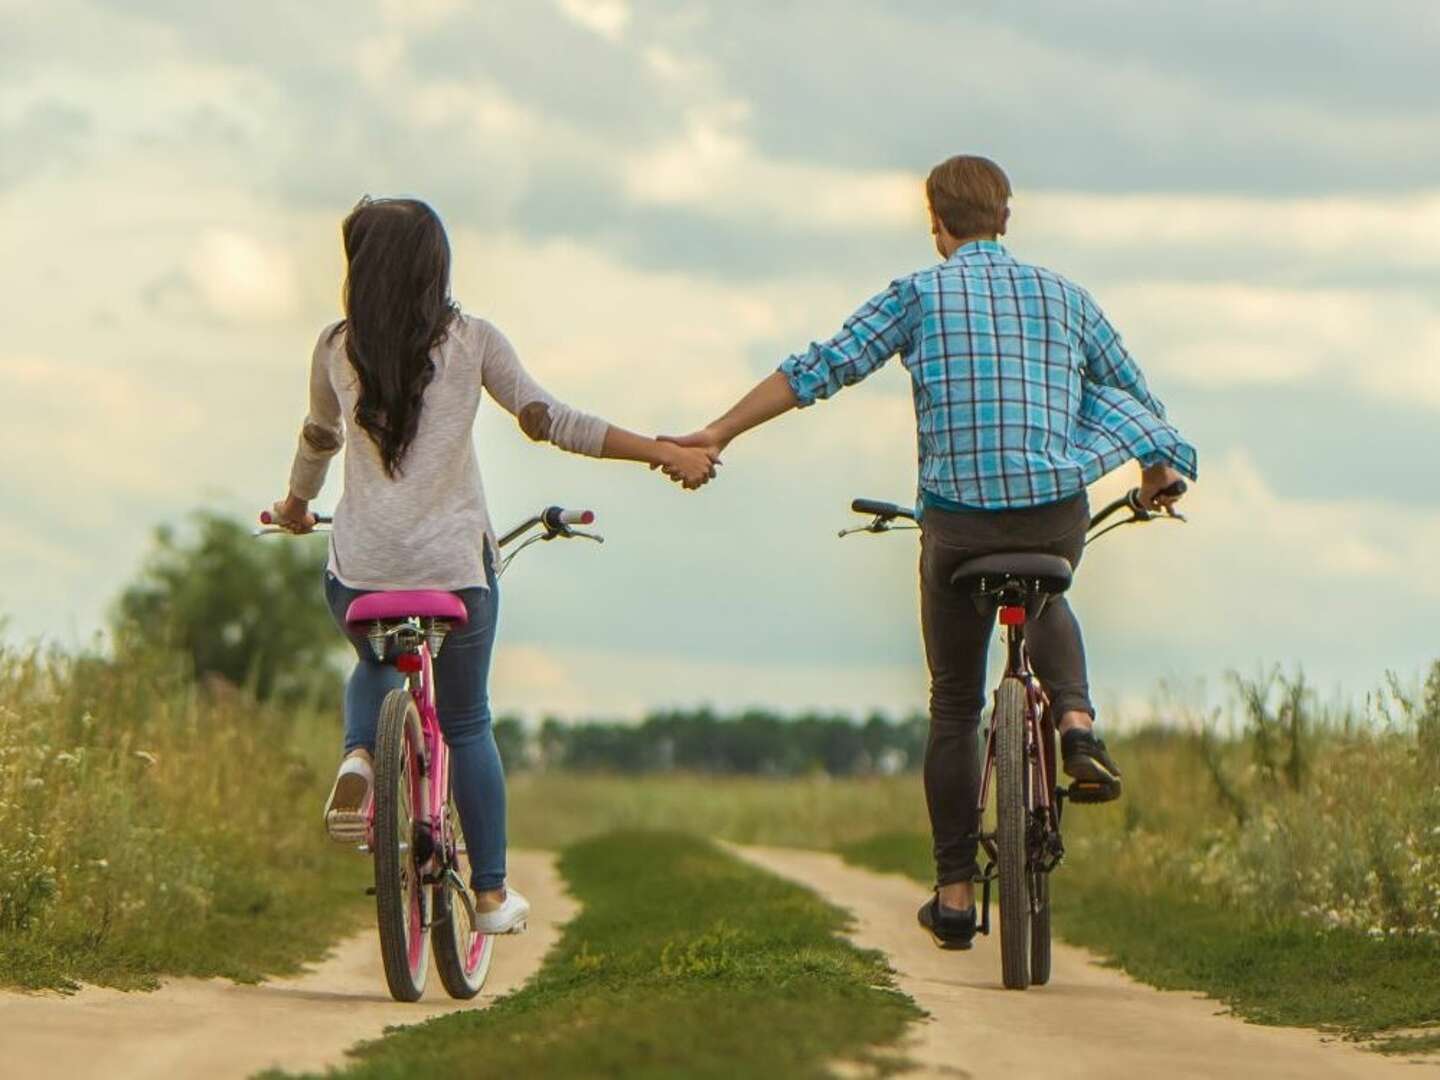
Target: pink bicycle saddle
pixel 425 603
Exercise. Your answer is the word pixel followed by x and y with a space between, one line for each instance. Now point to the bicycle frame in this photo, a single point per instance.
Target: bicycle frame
pixel 1044 798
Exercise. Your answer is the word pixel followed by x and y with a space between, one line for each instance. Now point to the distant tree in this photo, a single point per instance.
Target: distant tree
pixel 511 740
pixel 246 610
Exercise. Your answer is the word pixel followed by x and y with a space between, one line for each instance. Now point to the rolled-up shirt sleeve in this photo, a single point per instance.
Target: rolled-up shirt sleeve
pixel 323 433
pixel 883 326
pixel 1109 364
pixel 506 380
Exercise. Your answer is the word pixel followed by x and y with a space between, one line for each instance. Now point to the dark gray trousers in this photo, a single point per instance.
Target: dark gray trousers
pixel 957 640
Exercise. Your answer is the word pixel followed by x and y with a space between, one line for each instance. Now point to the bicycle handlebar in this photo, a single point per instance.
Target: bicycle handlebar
pixel 267 518
pixel 1131 501
pixel 554 517
pixel 884 513
pixel 881 509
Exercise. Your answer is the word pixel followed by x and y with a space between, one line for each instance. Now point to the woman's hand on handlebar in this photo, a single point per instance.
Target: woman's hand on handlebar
pixel 1160 487
pixel 292 514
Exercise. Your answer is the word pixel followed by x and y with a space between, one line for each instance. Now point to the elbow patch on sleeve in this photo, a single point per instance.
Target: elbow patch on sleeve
pixel 535 421
pixel 320 439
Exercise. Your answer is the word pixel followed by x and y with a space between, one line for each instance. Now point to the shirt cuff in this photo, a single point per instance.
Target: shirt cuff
pixel 805 383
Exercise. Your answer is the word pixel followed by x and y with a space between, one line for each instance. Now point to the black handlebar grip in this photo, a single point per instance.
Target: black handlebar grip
pixel 874 506
pixel 1175 490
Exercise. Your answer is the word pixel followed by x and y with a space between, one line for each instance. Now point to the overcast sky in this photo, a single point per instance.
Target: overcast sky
pixel 658 202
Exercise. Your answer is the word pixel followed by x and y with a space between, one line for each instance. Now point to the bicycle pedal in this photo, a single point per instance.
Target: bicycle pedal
pixel 345 828
pixel 1093 791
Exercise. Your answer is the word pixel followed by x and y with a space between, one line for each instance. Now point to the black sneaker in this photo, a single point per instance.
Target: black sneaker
pixel 1096 776
pixel 949 928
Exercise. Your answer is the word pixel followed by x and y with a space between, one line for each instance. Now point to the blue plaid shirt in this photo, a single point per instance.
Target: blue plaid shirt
pixel 1024 394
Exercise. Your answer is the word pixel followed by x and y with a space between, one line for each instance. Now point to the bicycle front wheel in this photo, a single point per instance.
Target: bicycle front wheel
pixel 1008 723
pixel 402 843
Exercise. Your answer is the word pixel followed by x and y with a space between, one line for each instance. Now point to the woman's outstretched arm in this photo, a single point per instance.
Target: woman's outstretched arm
pixel 544 418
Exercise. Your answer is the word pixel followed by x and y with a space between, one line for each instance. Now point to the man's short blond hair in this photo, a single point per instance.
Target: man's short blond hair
pixel 969 195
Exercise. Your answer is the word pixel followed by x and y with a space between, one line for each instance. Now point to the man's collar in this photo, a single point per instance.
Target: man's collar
pixel 977 247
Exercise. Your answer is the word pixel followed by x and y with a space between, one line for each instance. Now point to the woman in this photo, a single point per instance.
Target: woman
pixel 402 376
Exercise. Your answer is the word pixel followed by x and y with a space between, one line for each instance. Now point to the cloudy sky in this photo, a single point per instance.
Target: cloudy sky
pixel 660 201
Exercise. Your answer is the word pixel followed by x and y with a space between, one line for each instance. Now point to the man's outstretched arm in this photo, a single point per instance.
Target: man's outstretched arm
pixel 769 398
pixel 880 329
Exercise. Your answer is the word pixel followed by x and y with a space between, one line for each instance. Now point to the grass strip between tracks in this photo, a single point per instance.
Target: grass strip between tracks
pixel 683 962
pixel 1281 971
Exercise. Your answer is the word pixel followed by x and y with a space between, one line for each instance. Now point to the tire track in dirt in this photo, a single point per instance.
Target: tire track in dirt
pixel 1090 1021
pixel 217 1029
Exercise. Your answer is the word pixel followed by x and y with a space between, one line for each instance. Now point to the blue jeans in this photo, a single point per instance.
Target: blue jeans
pixel 462 674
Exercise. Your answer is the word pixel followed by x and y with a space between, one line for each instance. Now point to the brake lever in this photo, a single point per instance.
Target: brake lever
pixel 585 535
pixel 878 525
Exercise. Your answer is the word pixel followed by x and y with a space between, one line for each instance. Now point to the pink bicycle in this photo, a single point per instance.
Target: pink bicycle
pixel 412 828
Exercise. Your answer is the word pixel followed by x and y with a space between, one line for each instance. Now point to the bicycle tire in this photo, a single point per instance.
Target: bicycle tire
pixel 1010 832
pixel 1040 932
pixel 402 908
pixel 1040 929
pixel 462 957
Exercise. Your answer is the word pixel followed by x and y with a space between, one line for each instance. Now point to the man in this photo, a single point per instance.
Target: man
pixel 1024 395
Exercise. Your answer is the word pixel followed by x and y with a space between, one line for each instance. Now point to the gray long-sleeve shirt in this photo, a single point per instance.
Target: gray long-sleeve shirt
pixel 426 528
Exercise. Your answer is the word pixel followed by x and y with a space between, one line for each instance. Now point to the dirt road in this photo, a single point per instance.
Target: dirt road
pixel 216 1029
pixel 1089 1022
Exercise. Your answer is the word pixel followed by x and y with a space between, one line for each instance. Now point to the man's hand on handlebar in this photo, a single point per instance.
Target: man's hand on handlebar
pixel 293 515
pixel 1156 484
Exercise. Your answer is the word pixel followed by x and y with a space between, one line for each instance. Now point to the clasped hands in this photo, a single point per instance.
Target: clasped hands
pixel 690 460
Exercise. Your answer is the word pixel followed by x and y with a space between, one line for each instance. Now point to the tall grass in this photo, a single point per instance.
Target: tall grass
pixel 1302 811
pixel 151 826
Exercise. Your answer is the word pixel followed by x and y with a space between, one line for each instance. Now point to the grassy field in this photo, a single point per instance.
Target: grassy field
pixel 683 961
pixel 552 809
pixel 149 827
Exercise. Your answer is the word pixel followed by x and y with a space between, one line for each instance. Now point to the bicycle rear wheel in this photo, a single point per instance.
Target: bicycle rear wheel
pixel 1008 722
pixel 402 843
pixel 462 956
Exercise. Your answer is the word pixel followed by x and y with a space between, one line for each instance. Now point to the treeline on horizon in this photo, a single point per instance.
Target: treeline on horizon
pixel 756 742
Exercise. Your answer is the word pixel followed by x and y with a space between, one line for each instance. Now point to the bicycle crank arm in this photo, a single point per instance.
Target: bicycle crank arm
pixel 452 879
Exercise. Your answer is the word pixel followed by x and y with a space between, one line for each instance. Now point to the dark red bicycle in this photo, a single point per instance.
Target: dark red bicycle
pixel 1020 741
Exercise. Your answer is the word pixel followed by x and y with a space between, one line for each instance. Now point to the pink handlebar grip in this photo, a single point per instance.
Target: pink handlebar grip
pixel 578 517
pixel 266 518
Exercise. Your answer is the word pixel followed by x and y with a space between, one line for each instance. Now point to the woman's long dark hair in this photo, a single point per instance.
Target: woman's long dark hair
pixel 397 308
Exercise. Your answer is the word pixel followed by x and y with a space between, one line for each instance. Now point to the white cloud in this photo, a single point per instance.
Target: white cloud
pixel 418 13
pixel 1399 229
pixel 241 277
pixel 713 169
pixel 482 108
pixel 608 18
pixel 1381 343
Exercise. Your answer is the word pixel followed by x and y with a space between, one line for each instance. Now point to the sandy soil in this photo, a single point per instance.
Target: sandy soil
pixel 1089 1021
pixel 216 1029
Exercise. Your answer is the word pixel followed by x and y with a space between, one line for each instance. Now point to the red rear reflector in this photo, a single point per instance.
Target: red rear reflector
pixel 1012 615
pixel 407 662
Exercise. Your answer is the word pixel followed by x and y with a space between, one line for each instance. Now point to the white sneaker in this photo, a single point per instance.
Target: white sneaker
pixel 509 917
pixel 348 809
